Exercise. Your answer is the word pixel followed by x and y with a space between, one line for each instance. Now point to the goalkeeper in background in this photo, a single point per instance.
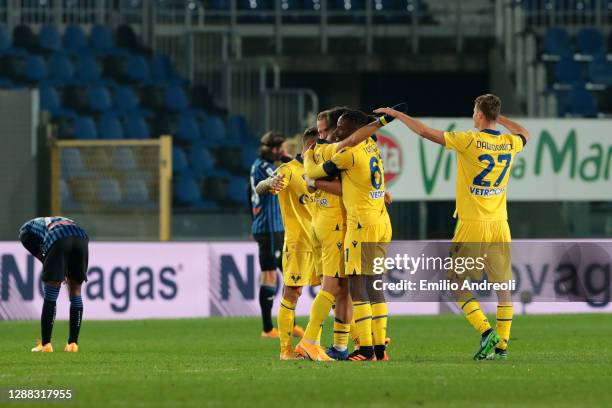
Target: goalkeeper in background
pixel 62 246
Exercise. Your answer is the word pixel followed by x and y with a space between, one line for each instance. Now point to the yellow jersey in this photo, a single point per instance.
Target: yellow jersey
pixel 330 213
pixel 296 206
pixel 363 184
pixel 484 160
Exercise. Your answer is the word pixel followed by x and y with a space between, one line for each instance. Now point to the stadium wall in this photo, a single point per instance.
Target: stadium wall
pixel 186 280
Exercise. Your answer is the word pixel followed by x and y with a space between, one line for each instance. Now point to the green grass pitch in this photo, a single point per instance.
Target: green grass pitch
pixel 560 361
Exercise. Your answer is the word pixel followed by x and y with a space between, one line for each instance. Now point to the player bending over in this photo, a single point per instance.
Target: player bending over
pixel 358 161
pixel 484 160
pixel 297 258
pixel 62 246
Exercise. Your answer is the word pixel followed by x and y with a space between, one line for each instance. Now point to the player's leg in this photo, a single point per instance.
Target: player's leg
pixel 267 282
pixel 321 306
pixel 342 322
pixel 379 317
pixel 499 262
pixel 78 259
pixel 53 275
pixel 362 312
pixel 286 320
pixel 504 315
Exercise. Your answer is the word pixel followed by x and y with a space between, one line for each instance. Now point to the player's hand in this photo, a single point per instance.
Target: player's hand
pixel 388 198
pixel 278 182
pixel 389 114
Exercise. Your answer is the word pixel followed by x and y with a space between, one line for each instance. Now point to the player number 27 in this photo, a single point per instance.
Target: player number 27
pixel 502 158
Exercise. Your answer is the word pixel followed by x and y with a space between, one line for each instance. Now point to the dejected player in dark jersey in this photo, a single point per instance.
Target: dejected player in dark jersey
pixel 62 246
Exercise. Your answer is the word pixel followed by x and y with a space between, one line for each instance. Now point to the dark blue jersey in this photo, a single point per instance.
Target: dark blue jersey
pixel 266 210
pixel 47 230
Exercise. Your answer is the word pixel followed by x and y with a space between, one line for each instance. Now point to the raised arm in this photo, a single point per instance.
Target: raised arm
pixel 418 127
pixel 333 187
pixel 360 135
pixel 513 127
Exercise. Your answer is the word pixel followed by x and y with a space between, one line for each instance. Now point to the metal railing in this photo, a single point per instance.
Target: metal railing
pixel 289 111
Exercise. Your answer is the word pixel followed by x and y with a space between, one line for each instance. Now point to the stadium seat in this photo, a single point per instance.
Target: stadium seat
pixel 99 99
pixel 179 160
pixel 600 70
pixel 163 72
pixel 126 38
pixel 138 69
pixel 219 4
pixel 49 38
pixel 213 130
pixel 123 159
pixel 109 127
pixel 60 69
pixel 108 191
pixel 567 71
pixel 187 129
pixel 67 201
pixel 237 191
pixel 176 99
pixel 136 127
pixel 85 128
pixel 72 163
pixel 88 69
pixel 247 157
pixel 34 69
pixel 216 188
pixel 135 191
pixel 187 192
pixel 24 38
pixel 152 97
pixel 5 41
pixel 101 40
pixel 557 43
pixel 125 99
pixel 580 102
pixel 74 39
pixel 590 41
pixel 75 97
pixel 50 101
pixel 202 161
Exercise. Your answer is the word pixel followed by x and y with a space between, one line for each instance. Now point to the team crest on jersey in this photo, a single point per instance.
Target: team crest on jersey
pixel 354 244
pixel 339 245
pixel 295 278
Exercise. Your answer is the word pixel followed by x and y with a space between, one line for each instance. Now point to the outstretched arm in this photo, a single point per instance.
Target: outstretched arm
pixel 333 187
pixel 513 126
pixel 418 127
pixel 360 135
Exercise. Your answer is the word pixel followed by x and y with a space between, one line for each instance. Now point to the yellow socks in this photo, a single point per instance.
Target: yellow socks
pixel 353 332
pixel 319 311
pixel 341 335
pixel 362 312
pixel 379 322
pixel 504 315
pixel 286 318
pixel 474 314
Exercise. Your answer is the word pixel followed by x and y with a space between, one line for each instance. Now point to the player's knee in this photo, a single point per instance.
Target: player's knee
pixel 268 278
pixel 55 284
pixel 357 288
pixel 330 285
pixel 292 293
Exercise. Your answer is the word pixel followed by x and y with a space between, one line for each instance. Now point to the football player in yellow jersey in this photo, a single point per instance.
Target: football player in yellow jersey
pixel 363 194
pixel 484 160
pixel 298 262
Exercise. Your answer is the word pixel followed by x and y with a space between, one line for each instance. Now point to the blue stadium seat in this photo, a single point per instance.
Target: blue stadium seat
pixel 219 4
pixel 135 191
pixel 237 191
pixel 213 129
pixel 600 70
pixel 60 69
pixel 74 39
pixel 109 127
pixel 88 69
pixel 202 161
pixel 50 101
pixel 125 99
pixel 68 202
pixel 99 99
pixel 123 159
pixel 237 128
pixel 581 102
pixel 85 128
pixel 49 38
pixel 136 127
pixel 557 42
pixel 179 160
pixel 176 99
pixel 72 163
pixel 5 41
pixel 187 129
pixel 101 40
pixel 163 72
pixel 567 71
pixel 590 41
pixel 35 69
pixel 108 191
pixel 187 193
pixel 248 156
pixel 138 69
